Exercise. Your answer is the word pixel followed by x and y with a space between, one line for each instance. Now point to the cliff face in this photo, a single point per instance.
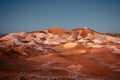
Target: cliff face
pixel 60 54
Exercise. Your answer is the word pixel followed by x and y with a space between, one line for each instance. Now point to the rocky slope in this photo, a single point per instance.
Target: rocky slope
pixel 59 54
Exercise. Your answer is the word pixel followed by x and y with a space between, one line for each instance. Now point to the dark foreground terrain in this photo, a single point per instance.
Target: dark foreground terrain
pixel 56 54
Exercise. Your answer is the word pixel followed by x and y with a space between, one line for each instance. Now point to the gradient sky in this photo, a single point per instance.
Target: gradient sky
pixel 30 15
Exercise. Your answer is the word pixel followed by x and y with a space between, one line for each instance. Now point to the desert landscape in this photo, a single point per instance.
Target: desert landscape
pixel 59 54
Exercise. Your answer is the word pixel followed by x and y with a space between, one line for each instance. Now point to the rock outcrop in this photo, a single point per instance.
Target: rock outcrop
pixel 58 36
pixel 59 54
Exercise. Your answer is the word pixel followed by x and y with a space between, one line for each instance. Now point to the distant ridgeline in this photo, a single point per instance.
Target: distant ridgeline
pixel 113 34
pixel 2 35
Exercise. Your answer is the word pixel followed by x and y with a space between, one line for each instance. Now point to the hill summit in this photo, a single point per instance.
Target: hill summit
pixel 57 35
pixel 59 54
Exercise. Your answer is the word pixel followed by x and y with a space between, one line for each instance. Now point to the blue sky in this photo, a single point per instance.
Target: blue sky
pixel 30 15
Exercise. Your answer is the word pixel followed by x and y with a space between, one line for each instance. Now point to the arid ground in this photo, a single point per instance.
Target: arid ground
pixel 58 54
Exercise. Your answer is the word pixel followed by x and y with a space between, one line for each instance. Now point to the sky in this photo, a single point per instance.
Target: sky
pixel 32 15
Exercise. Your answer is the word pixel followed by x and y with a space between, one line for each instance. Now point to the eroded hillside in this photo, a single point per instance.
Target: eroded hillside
pixel 59 54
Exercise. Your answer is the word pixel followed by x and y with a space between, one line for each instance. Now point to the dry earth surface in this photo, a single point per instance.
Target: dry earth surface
pixel 59 54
